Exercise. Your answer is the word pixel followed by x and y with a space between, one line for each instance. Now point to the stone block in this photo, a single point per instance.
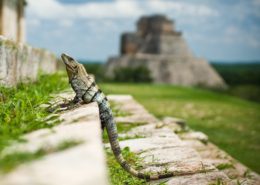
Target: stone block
pixel 201 179
pixel 24 60
pixel 9 61
pixel 151 130
pixel 194 136
pixel 33 62
pixel 19 62
pixel 179 160
pixel 145 144
pixel 136 112
pixel 3 62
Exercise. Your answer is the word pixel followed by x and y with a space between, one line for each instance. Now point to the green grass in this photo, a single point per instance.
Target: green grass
pixel 20 111
pixel 231 123
pixel 117 175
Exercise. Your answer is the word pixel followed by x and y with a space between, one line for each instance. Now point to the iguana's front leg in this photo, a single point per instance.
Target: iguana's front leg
pixel 75 103
pixel 78 98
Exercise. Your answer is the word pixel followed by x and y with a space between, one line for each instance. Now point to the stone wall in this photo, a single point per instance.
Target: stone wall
pixel 21 62
pixel 174 45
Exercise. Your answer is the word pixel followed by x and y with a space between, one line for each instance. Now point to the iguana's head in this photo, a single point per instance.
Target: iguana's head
pixel 73 67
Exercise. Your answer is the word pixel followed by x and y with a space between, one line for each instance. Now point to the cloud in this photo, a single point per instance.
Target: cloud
pixel 231 30
pixel 45 9
pixel 93 28
pixel 66 23
pixel 181 8
pixel 94 10
pixel 109 13
pixel 113 9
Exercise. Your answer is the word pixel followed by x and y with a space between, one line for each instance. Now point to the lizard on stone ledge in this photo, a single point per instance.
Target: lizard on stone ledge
pixel 87 91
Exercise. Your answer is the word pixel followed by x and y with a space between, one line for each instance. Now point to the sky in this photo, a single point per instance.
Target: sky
pixel 218 30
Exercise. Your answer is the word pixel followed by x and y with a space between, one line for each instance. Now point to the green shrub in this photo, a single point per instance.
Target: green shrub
pixel 132 74
pixel 242 78
pixel 249 92
pixel 239 73
pixel 96 69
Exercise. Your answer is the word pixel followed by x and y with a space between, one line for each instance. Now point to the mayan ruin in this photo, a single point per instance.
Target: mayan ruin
pixel 163 50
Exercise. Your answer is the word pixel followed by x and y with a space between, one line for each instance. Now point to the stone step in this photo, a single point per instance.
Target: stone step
pixel 185 152
pixel 161 149
pixel 235 170
pixel 83 163
pixel 201 179
pixel 136 112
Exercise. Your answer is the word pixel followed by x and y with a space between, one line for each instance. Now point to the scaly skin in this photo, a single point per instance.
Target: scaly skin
pixel 87 91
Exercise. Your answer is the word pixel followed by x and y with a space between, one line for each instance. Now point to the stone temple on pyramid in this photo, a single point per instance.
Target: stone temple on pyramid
pixel 158 46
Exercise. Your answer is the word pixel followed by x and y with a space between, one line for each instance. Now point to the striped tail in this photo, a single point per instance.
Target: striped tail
pixel 108 121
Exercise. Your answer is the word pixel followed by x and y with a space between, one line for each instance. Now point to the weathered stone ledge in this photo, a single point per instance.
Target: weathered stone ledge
pixel 81 164
pixel 21 62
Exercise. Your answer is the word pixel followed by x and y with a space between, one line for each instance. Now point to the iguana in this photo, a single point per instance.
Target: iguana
pixel 87 91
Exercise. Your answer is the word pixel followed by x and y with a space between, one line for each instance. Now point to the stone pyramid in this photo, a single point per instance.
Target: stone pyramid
pixel 158 46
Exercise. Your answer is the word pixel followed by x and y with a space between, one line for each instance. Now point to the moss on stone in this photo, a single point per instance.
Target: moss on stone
pixel 116 110
pixel 11 44
pixel 224 166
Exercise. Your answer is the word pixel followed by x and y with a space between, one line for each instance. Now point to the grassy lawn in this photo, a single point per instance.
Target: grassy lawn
pixel 231 123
